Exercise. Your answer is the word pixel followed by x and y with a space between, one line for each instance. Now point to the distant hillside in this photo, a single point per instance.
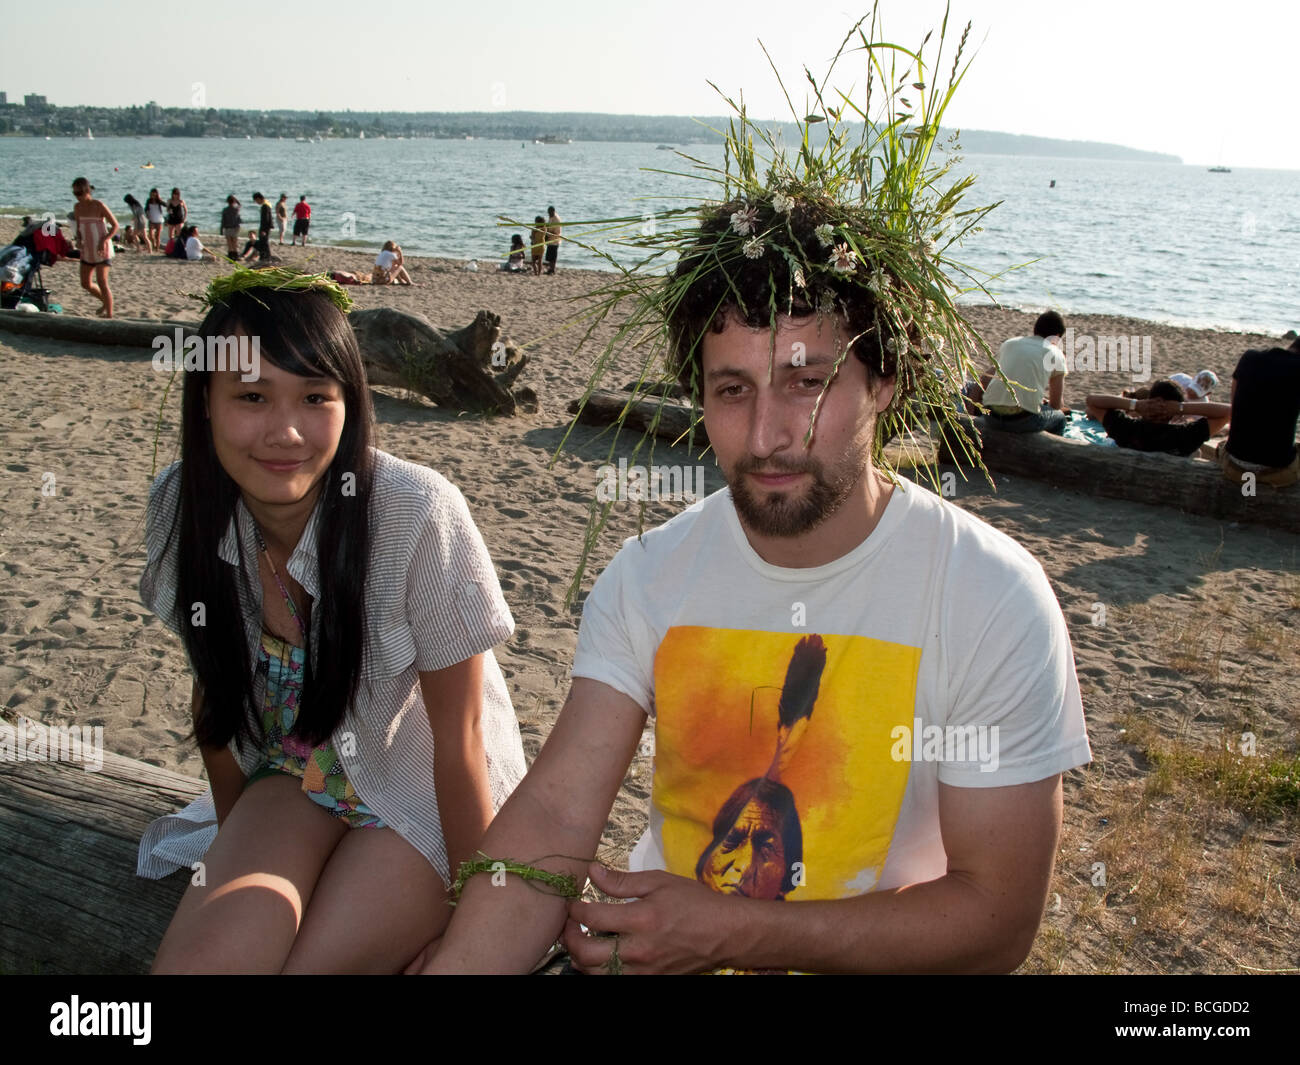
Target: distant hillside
pixel 152 120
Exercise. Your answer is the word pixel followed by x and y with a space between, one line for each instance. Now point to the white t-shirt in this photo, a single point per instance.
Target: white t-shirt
pixel 936 616
pixel 1030 363
pixel 386 260
pixel 193 248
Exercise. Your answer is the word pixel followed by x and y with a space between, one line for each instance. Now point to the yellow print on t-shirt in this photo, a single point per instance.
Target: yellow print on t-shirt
pixel 773 771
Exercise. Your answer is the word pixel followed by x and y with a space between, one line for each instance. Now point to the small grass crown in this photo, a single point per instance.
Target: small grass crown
pixel 279 278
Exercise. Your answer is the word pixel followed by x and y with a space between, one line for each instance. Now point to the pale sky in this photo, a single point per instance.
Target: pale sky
pixel 1213 83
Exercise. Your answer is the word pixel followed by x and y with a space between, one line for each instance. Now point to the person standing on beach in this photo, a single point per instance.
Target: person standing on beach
pixel 155 212
pixel 263 243
pixel 281 215
pixel 553 231
pixel 96 228
pixel 177 212
pixel 137 214
pixel 537 240
pixel 812 573
pixel 301 221
pixel 231 220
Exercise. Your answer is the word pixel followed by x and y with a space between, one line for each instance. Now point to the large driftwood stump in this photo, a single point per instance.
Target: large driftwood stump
pixel 473 368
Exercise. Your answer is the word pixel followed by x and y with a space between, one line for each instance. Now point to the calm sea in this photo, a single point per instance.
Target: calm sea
pixel 1167 243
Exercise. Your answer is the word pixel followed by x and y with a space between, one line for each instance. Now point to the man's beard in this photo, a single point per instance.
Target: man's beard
pixel 785 513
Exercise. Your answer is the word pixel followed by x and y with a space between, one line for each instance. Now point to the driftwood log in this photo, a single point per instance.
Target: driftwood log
pixel 125 332
pixel 70 901
pixel 1192 485
pixel 473 368
pixel 671 419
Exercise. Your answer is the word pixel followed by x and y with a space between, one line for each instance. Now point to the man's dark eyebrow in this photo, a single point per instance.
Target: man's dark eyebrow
pixel 814 359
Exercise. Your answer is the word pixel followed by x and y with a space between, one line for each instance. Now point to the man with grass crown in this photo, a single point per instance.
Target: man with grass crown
pixel 863 698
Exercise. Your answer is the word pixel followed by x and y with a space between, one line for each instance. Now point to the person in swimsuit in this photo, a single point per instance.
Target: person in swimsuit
pixel 355 726
pixel 177 212
pixel 282 214
pixel 96 228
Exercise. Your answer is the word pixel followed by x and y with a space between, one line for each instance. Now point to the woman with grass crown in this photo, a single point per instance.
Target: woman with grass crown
pixel 338 608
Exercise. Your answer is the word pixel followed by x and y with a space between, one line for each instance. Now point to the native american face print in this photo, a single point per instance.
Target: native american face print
pixel 773 774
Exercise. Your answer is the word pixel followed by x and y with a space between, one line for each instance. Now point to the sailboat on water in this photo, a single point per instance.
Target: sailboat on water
pixel 89 136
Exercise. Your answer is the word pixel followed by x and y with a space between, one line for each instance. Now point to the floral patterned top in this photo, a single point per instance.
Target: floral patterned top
pixel 319 768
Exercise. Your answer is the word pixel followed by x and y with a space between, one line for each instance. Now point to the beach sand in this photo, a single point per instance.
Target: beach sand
pixel 1199 642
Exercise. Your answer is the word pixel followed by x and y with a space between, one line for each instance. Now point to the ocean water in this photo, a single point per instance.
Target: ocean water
pixel 1162 242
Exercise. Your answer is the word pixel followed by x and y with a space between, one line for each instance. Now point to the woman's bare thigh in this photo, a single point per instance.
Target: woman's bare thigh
pixel 259 878
pixel 377 904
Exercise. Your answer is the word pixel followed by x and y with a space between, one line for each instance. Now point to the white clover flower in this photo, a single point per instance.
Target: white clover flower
pixel 781 202
pixel 745 221
pixel 753 248
pixel 825 234
pixel 895 346
pixel 843 259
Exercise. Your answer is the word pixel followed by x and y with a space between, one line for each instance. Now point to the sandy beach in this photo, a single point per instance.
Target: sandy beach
pixel 1200 639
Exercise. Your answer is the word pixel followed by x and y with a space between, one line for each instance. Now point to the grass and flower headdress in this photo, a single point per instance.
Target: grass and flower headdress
pixel 278 279
pixel 856 220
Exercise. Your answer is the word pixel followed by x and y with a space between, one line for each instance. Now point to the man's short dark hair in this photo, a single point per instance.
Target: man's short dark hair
pixel 709 299
pixel 1169 390
pixel 777 798
pixel 551 209
pixel 1049 324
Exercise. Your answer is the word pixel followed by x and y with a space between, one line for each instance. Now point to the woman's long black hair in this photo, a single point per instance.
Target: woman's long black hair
pixel 303 333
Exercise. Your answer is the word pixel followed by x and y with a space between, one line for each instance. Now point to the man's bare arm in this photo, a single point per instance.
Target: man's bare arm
pixel 981 916
pixel 560 808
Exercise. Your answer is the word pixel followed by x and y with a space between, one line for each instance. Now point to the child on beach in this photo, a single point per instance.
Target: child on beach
pixel 537 239
pixel 355 726
pixel 96 228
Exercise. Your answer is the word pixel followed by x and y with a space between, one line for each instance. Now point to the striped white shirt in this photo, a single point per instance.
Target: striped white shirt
pixel 432 600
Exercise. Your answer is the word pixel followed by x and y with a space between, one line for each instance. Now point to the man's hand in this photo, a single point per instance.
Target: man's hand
pixel 676 925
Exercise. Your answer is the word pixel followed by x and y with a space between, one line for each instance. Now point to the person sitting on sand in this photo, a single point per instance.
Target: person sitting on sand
pixel 96 228
pixel 515 262
pixel 194 249
pixel 1035 365
pixel 389 268
pixel 349 778
pixel 1154 428
pixel 1265 412
pixel 537 242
